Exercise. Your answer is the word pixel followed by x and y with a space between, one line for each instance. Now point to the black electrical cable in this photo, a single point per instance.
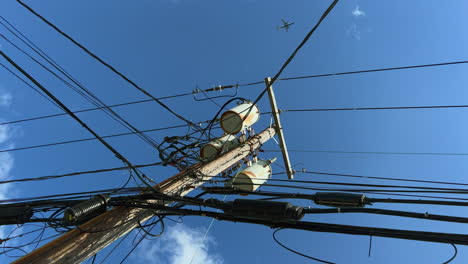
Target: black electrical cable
pixel 296 252
pixel 148 233
pixel 93 258
pixel 65 108
pixel 110 67
pixel 347 190
pixel 454 254
pixel 374 108
pixel 27 244
pixel 376 70
pixel 87 109
pixel 382 192
pixel 76 195
pixel 291 57
pixel 114 248
pixel 239 85
pixel 87 139
pixel 284 195
pixel 87 94
pixel 27 84
pixel 380 178
pixel 344 73
pixel 371 152
pixel 134 247
pixel 421 196
pixel 358 184
pixel 437 237
pixel 50 177
pixel 425 216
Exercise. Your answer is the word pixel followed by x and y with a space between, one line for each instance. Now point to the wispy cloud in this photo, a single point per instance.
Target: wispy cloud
pixel 358 12
pixel 353 29
pixel 354 32
pixel 5 99
pixel 178 245
pixel 6 160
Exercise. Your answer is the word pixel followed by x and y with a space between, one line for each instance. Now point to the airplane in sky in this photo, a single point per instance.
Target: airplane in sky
pixel 286 25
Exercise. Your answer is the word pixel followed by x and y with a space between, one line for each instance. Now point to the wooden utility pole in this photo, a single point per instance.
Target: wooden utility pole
pixel 81 243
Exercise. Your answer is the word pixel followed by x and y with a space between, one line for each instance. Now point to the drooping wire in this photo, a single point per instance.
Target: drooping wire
pixel 296 252
pixel 454 254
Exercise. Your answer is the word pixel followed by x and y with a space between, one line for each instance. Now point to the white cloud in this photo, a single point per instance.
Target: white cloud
pixel 177 246
pixel 354 32
pixel 6 165
pixel 358 12
pixel 4 134
pixel 5 99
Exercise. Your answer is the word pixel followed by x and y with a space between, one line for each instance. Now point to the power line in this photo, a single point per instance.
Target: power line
pixel 296 252
pixel 87 139
pixel 51 177
pixel 90 109
pixel 110 67
pixel 371 152
pixel 84 125
pixel 355 184
pixel 423 190
pixel 378 178
pixel 376 70
pixel 87 94
pixel 438 64
pixel 291 57
pixel 374 108
pixel 27 84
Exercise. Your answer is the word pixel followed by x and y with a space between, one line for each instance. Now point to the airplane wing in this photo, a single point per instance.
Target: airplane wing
pixel 284 22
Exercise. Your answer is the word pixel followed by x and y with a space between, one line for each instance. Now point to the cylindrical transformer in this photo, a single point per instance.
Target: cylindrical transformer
pixel 218 146
pixel 234 120
pixel 250 178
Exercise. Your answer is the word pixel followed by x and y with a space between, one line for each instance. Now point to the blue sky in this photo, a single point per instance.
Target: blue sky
pixel 174 46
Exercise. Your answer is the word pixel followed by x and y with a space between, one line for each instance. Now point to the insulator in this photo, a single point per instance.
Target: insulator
pixel 339 199
pixel 271 210
pixel 86 210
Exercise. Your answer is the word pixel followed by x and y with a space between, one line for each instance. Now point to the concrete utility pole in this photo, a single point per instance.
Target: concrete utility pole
pixel 83 242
